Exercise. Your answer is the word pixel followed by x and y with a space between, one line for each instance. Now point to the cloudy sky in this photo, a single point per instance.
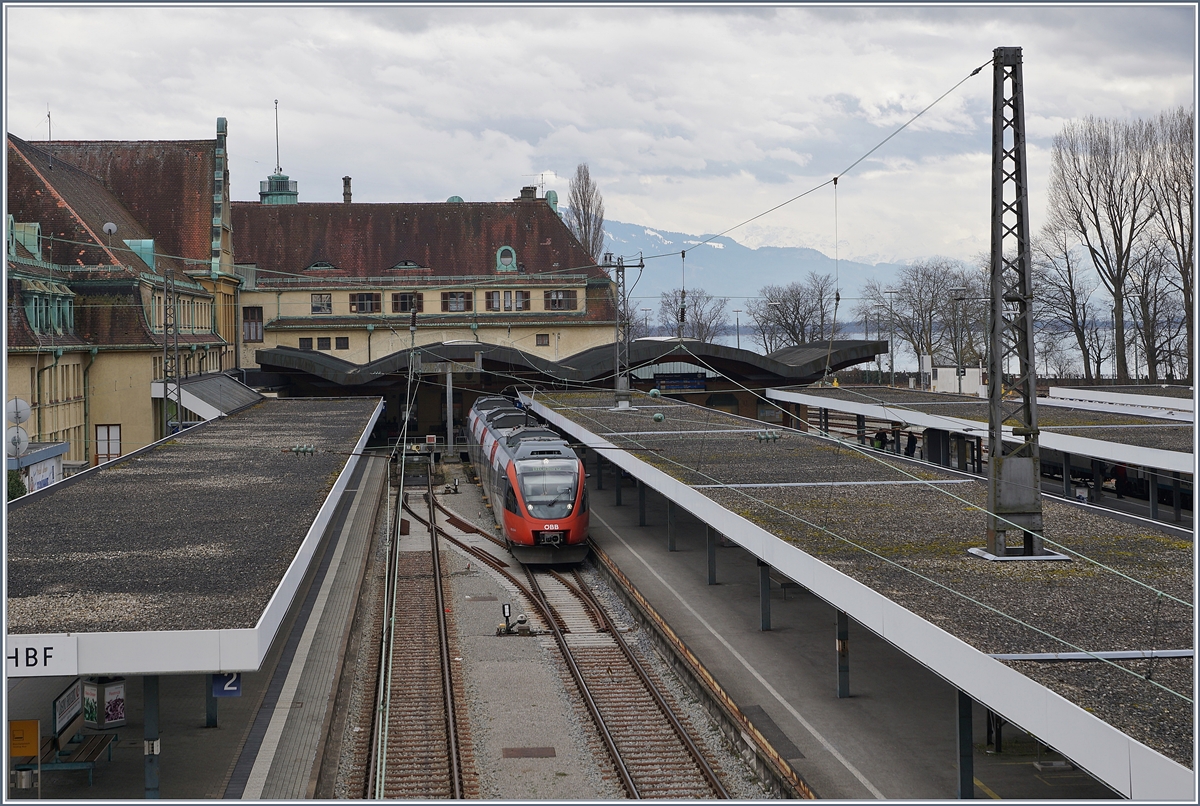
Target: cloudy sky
pixel 692 119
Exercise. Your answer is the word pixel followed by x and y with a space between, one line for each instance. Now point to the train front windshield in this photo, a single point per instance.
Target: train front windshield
pixel 548 486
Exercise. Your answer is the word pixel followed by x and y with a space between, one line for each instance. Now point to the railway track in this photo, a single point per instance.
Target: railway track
pixel 650 748
pixel 418 751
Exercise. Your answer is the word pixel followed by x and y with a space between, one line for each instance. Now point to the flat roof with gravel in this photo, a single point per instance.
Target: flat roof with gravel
pixel 903 528
pixel 194 533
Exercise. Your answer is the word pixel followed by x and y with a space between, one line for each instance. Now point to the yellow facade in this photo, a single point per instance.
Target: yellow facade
pixel 290 316
pixel 70 394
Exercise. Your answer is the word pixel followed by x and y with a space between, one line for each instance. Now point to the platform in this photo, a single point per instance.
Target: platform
pixel 893 556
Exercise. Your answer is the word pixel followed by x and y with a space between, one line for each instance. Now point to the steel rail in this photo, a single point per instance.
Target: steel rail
pixel 584 691
pixel 532 592
pixel 705 768
pixel 444 642
pixel 378 745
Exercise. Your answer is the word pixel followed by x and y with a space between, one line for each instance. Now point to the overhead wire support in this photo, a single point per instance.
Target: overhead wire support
pixel 1013 468
pixel 623 324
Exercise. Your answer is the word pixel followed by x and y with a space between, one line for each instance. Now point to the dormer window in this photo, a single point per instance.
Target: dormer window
pixel 506 259
pixel 407 264
pixel 322 265
pixel 49 307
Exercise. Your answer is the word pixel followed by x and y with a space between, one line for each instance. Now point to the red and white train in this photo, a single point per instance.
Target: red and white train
pixel 534 481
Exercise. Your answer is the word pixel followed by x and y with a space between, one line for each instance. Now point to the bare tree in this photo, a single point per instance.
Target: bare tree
pixel 964 317
pixel 921 301
pixel 1063 290
pixel 584 215
pixel 704 314
pixel 1173 191
pixel 765 329
pixel 635 319
pixel 796 313
pixel 1100 190
pixel 1157 309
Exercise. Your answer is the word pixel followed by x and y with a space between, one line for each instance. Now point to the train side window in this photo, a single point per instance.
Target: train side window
pixel 510 499
pixel 583 504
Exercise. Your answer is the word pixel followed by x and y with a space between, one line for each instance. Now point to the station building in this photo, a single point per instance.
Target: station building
pixel 94 230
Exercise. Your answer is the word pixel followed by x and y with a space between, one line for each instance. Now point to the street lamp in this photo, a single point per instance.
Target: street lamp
pixel 738 324
pixel 1113 309
pixel 1137 375
pixel 959 294
pixel 891 292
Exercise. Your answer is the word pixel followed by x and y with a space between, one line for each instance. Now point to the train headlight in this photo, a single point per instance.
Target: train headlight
pixel 530 507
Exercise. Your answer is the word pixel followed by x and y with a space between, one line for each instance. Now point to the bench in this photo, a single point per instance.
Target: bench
pixel 81 753
pixel 783 582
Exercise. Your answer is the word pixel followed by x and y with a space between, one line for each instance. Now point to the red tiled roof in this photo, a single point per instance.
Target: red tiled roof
pixel 110 318
pixel 367 240
pixel 166 184
pixel 72 208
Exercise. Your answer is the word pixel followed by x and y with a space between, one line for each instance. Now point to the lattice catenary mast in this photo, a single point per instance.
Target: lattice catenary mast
pixel 1014 472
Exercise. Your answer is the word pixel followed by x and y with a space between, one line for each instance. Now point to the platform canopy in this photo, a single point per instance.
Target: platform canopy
pixel 791 365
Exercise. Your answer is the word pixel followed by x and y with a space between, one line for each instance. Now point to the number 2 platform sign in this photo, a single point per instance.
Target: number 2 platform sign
pixel 227 685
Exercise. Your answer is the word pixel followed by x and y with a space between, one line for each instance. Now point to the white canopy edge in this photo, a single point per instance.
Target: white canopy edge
pixel 1115 452
pixel 1187 404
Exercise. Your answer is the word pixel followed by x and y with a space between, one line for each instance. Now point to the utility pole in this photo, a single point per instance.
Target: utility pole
pixel 621 330
pixel 170 354
pixel 891 292
pixel 958 329
pixel 1014 471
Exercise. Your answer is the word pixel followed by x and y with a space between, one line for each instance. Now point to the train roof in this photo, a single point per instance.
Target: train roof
pixel 491 402
pixel 541 448
pixel 529 432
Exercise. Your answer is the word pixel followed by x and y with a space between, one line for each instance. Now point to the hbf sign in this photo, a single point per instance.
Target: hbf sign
pixel 41 655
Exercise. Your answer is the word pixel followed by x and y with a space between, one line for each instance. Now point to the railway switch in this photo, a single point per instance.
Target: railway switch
pixel 507 628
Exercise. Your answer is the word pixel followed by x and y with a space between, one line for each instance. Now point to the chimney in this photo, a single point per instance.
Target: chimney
pixel 528 193
pixel 346 189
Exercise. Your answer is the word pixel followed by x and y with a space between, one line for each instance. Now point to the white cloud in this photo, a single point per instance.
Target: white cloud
pixel 692 119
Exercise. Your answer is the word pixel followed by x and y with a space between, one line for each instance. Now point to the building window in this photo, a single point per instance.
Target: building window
pixel 252 324
pixel 520 300
pixel 493 299
pixel 456 301
pixel 560 300
pixel 364 303
pixel 508 300
pixel 108 443
pixel 305 344
pixel 46 314
pixel 342 342
pixel 542 340
pixel 404 303
pixel 322 342
pixel 322 303
pixel 506 259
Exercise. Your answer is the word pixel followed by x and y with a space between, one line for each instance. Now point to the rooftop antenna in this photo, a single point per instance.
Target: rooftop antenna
pixel 49 134
pixel 278 167
pixel 542 180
